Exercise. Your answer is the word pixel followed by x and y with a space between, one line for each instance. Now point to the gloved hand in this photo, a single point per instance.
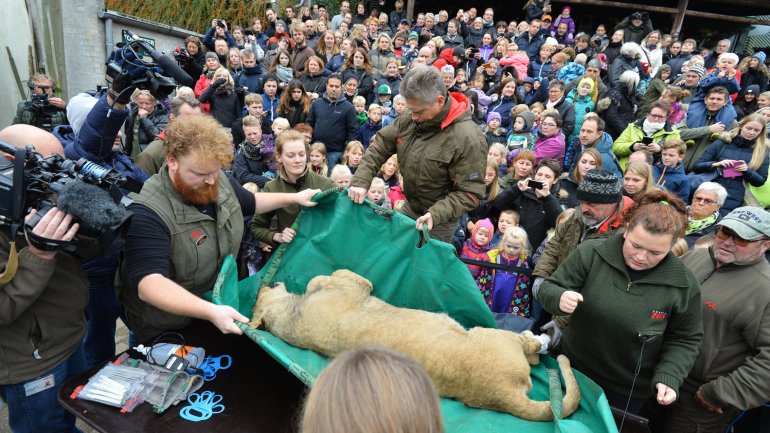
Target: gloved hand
pixel 122 88
pixel 219 83
pixel 240 90
pixel 553 331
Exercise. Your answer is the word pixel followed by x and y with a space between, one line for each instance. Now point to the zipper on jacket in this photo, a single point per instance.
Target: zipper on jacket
pixel 628 288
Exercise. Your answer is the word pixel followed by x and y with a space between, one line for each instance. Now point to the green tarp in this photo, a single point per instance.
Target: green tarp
pixel 406 272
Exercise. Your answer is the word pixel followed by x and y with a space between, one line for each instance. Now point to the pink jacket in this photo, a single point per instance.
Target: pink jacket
pixel 520 61
pixel 549 147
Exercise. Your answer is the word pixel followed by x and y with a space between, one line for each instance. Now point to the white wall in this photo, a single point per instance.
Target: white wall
pixel 16 33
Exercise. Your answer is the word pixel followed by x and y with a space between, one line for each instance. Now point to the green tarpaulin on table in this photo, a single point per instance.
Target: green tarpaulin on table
pixel 406 272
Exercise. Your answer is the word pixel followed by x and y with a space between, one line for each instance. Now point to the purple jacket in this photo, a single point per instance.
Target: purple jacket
pixel 549 147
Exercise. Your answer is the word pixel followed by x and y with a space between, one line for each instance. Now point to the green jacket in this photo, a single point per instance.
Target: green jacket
pixel 199 245
pixel 42 320
pixel 698 140
pixel 152 157
pixel 26 115
pixel 442 161
pixel 603 339
pixel 734 361
pixel 569 235
pixel 261 225
pixel 634 133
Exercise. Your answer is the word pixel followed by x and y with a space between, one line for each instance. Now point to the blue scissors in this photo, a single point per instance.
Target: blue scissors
pixel 202 406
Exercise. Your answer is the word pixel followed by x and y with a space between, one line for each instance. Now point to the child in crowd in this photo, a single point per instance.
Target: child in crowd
pixel 318 159
pixel 377 194
pixel 507 291
pixel 279 125
pixel 495 133
pixel 477 246
pixel 384 99
pixel 372 124
pixel 537 108
pixel 499 155
pixel 669 172
pixel 492 188
pixel 507 218
pixel 584 101
pixel 359 103
pixel 521 136
pixel 477 85
pixel 389 172
pixel 341 175
pixel 461 80
pixel 354 152
pixel 254 161
pixel 565 18
pixel 399 105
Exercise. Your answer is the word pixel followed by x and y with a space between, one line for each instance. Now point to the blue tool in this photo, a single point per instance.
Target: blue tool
pixel 211 365
pixel 202 406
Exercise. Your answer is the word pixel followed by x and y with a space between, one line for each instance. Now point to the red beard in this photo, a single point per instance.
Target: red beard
pixel 201 196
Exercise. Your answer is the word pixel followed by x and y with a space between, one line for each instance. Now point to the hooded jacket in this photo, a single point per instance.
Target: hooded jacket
pixel 549 147
pixel 673 179
pixel 379 59
pixel 621 111
pixel 442 160
pixel 250 78
pixel 503 106
pixel 523 139
pixel 334 122
pixel 445 57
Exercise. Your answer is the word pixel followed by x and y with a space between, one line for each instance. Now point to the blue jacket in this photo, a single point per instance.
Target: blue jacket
pixel 737 149
pixel 208 39
pixel 367 131
pixel 604 146
pixel 270 107
pixel 503 106
pixel 250 78
pixel 539 70
pixel 334 122
pixel 696 113
pixel 95 139
pixel 390 118
pixel 335 63
pixel 531 46
pixel 673 179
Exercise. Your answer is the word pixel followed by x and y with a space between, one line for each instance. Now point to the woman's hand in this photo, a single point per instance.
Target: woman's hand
pixel 724 163
pixel 666 395
pixel 740 166
pixel 523 185
pixel 545 191
pixel 569 301
pixel 284 237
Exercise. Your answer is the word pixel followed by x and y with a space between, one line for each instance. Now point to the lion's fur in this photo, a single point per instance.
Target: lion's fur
pixel 486 368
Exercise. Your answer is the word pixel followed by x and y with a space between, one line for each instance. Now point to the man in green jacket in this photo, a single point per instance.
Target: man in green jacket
pixel 186 220
pixel 442 155
pixel 732 370
pixel 42 312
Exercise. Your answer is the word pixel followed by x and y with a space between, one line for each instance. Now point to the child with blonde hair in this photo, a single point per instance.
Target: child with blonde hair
pixel 377 194
pixel 319 158
pixel 354 153
pixel 341 175
pixel 507 291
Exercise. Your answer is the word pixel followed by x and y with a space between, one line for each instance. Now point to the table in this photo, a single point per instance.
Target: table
pixel 259 394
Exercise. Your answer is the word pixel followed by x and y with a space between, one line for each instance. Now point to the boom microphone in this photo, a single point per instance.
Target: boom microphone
pixel 169 65
pixel 90 205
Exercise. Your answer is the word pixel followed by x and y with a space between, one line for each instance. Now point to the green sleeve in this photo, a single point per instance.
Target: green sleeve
pixel 382 148
pixel 622 146
pixel 570 275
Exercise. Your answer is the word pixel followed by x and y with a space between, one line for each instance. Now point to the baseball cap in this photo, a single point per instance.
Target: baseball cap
pixel 748 222
pixel 383 90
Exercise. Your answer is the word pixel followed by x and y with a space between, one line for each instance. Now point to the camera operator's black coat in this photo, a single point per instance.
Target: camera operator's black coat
pixel 37 114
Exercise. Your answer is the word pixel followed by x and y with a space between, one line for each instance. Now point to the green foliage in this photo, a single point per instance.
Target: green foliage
pixel 195 15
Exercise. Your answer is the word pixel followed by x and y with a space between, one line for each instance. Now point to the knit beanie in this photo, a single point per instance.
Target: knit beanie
pixel 281 23
pixel 529 120
pixel 698 69
pixel 594 63
pixel 754 88
pixel 760 55
pixel 413 35
pixel 212 55
pixel 494 115
pixel 599 186
pixel 487 224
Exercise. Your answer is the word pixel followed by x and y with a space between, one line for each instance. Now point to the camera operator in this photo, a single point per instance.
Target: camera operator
pixel 192 58
pixel 42 319
pixel 43 109
pixel 186 220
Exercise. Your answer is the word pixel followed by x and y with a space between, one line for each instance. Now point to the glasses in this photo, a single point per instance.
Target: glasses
pixel 657 116
pixel 703 200
pixel 723 233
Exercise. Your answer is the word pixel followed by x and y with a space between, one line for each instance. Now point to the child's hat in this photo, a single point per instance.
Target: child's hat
pixel 760 55
pixel 485 223
pixel 698 69
pixel 384 89
pixel 494 115
pixel 413 35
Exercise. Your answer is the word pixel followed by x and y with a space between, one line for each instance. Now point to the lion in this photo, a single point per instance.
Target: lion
pixel 481 367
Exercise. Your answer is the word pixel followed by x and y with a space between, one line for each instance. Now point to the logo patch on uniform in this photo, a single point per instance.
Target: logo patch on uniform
pixel 198 236
pixel 474 176
pixel 711 305
pixel 658 315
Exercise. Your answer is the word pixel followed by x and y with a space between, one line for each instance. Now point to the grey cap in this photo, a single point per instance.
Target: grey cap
pixel 594 63
pixel 748 222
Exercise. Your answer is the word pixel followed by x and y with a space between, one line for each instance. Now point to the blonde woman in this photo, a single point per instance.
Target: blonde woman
pixel 225 100
pixel 637 179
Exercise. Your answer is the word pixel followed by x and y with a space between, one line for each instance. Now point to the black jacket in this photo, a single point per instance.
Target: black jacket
pixel 567 113
pixel 620 112
pixel 536 215
pixel 334 122
pixel 314 83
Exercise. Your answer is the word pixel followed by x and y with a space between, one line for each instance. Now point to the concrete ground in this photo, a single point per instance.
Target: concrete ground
pixel 121 340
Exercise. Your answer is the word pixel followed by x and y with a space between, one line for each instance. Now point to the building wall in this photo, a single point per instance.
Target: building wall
pixel 15 26
pixel 82 44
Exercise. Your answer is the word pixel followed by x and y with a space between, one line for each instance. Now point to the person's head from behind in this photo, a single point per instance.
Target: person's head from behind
pixel 379 391
pixel 641 155
pixel 425 93
pixel 252 129
pixel 376 190
pixel 653 224
pixel 672 152
pixel 21 135
pixel 599 194
pixel 514 243
pixel 507 219
pixel 280 125
pixel 183 106
pixel 341 175
pixel 198 148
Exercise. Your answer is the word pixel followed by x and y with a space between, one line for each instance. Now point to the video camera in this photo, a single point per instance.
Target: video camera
pixel 127 59
pixel 83 189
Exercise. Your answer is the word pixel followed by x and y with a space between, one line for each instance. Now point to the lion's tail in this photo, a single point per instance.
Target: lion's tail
pixel 525 408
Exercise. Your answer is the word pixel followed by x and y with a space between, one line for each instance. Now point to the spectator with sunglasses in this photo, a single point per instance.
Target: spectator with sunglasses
pixel 732 370
pixel 42 109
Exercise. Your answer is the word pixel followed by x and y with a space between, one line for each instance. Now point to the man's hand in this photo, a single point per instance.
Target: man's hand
pixel 224 317
pixel 57 102
pixel 569 301
pixel 545 191
pixel 666 395
pixel 654 147
pixel 700 398
pixel 286 236
pixel 357 194
pixel 426 219
pixel 142 113
pixel 305 198
pixel 717 127
pixel 55 225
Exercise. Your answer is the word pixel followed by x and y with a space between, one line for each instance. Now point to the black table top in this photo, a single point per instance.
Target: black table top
pixel 258 393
